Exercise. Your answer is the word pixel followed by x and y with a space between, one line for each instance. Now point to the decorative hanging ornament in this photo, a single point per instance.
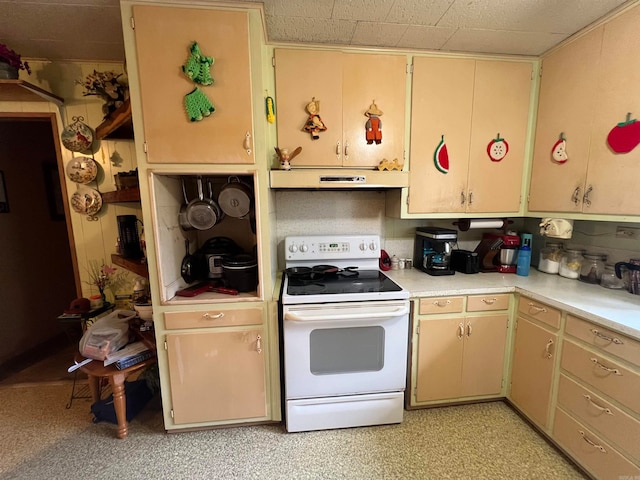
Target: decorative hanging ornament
pixel 497 149
pixel 373 127
pixel 78 136
pixel 270 106
pixel 559 150
pixel 314 124
pixel 198 69
pixel 441 157
pixel 625 136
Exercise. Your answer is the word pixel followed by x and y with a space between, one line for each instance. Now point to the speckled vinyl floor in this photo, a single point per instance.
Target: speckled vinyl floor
pixel 43 440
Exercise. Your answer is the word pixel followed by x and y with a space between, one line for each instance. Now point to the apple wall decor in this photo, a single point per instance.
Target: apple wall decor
pixel 625 135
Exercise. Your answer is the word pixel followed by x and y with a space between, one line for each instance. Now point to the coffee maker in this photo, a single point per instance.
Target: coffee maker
pixel 432 250
pixel 498 252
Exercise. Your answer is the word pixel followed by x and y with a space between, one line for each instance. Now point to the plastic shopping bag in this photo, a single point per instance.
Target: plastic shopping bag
pixel 106 335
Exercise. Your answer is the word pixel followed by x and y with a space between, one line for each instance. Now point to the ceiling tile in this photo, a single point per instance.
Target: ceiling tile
pixel 429 38
pixel 418 12
pixel 496 41
pixel 552 16
pixel 364 10
pixel 303 8
pixel 310 30
pixel 373 34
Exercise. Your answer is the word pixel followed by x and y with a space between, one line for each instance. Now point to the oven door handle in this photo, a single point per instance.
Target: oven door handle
pixel 350 316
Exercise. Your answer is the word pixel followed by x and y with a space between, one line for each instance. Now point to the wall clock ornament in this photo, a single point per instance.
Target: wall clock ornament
pixel 497 149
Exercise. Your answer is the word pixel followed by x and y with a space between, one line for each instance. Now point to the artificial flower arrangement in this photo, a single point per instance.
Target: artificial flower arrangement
pixel 12 58
pixel 105 276
pixel 108 86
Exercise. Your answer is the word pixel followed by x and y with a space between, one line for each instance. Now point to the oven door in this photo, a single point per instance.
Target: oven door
pixel 345 348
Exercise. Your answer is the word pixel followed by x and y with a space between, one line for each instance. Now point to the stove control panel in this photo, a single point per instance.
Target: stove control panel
pixel 327 247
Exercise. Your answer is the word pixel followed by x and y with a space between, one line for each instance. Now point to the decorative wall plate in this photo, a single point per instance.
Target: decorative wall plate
pixel 78 136
pixel 86 201
pixel 81 170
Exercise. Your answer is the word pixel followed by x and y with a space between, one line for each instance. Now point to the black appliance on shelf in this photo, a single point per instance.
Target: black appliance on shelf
pixel 432 250
pixel 129 238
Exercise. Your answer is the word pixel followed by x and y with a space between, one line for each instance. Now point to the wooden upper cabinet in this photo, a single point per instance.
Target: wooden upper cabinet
pixel 565 106
pixel 163 37
pixel 345 84
pixel 613 177
pixel 501 98
pixel 441 102
pixel 469 102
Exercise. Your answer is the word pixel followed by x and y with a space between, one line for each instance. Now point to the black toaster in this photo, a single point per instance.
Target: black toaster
pixel 465 261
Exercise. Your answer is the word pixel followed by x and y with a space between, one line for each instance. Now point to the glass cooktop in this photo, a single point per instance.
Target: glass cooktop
pixel 366 281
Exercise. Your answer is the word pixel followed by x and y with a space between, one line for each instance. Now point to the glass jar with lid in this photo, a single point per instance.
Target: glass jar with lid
pixel 609 278
pixel 592 267
pixel 570 263
pixel 550 257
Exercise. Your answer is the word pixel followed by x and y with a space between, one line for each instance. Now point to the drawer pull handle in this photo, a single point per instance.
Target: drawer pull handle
pixel 460 331
pixel 533 309
pixel 615 340
pixel 259 344
pixel 590 442
pixel 605 368
pixel 440 303
pixel 547 349
pixel 208 316
pixel 489 301
pixel 602 409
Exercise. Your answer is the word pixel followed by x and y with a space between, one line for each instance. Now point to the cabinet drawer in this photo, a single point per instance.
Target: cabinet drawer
pixel 539 311
pixel 481 303
pixel 441 305
pixel 604 339
pixel 601 372
pixel 613 423
pixel 591 451
pixel 216 317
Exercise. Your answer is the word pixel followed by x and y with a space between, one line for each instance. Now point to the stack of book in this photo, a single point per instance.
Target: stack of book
pixel 129 355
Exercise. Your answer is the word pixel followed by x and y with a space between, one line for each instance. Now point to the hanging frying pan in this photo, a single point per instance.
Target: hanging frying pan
pixel 201 212
pixel 186 269
pixel 182 216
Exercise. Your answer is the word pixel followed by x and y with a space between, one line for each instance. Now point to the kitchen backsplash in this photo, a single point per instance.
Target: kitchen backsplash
pixel 311 212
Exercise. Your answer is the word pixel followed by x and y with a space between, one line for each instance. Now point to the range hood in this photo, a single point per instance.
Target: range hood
pixel 338 178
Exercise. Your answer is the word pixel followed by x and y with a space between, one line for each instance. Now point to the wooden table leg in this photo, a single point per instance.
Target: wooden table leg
pixel 94 387
pixel 120 404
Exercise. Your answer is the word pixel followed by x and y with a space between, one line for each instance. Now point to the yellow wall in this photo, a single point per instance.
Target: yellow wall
pixel 94 240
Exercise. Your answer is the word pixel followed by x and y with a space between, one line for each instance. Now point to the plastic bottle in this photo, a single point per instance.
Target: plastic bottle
pixel 524 256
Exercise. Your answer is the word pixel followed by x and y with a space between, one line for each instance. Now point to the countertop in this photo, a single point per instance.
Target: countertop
pixel 615 309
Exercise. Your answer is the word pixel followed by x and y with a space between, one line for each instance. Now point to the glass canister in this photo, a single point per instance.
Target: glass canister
pixel 592 267
pixel 609 278
pixel 550 256
pixel 570 263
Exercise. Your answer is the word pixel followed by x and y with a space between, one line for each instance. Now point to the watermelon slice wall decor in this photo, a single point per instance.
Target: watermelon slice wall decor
pixel 441 157
pixel 497 149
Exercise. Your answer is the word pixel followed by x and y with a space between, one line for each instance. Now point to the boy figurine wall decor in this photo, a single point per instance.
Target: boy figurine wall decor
pixel 373 126
pixel 314 124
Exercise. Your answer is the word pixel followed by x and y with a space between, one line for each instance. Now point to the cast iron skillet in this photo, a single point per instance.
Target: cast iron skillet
pixel 319 271
pixel 186 269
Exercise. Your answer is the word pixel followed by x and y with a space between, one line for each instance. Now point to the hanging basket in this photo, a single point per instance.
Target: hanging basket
pixel 8 72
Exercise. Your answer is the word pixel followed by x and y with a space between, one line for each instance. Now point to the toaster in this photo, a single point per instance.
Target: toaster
pixel 465 261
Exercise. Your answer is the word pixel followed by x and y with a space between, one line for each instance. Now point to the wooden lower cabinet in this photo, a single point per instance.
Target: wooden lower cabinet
pixel 460 357
pixel 217 375
pixel 532 370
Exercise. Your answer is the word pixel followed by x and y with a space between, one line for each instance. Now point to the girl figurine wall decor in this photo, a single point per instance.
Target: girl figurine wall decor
pixel 314 124
pixel 373 126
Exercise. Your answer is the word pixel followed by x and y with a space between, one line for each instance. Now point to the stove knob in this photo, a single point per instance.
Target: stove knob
pixel 304 248
pixel 363 246
pixel 293 248
pixel 373 246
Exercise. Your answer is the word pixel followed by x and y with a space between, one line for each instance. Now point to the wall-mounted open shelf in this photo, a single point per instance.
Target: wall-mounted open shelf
pixel 122 196
pixel 136 266
pixel 21 91
pixel 118 126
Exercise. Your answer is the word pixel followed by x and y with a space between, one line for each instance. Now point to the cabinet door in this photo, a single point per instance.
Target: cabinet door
pixel 613 177
pixel 163 38
pixel 368 78
pixel 217 375
pixel 500 106
pixel 439 369
pixel 532 370
pixel 483 359
pixel 302 75
pixel 441 102
pixel 565 105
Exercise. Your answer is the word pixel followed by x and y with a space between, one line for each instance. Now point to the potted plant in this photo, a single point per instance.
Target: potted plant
pixel 11 63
